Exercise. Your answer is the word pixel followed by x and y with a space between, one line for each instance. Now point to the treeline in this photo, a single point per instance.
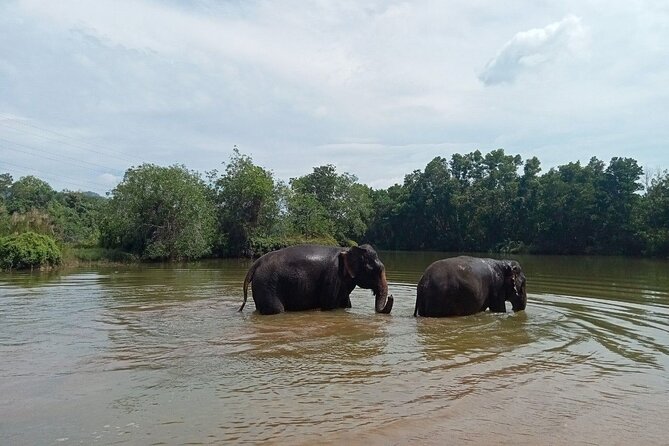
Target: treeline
pixel 496 202
pixel 471 202
pixel 173 213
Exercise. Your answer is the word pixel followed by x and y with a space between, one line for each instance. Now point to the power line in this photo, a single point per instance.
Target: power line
pixel 80 162
pixel 62 135
pixel 73 185
pixel 59 178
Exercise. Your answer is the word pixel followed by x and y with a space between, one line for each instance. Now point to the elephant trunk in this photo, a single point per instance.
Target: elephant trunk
pixel 384 303
pixel 520 302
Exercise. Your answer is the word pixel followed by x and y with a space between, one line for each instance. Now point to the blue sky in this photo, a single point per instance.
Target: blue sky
pixel 377 88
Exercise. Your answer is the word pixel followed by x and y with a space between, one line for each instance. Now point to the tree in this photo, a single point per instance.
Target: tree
pixel 29 193
pixel 430 210
pixel 387 223
pixel 617 203
pixel 346 202
pixel 467 203
pixel 247 201
pixel 6 181
pixel 307 216
pixel 496 197
pixel 160 213
pixel 77 216
pixel 567 211
pixel 528 201
pixel 653 221
pixel 468 168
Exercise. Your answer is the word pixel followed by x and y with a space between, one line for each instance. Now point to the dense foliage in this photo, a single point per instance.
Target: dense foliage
pixel 468 202
pixel 324 203
pixel 160 213
pixel 28 250
pixel 31 205
pixel 247 200
pixel 477 202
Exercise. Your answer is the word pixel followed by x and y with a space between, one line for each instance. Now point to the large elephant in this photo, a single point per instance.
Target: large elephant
pixel 465 285
pixel 306 277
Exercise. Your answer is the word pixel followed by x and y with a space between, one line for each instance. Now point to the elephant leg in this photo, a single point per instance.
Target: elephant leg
pixel 273 306
pixel 344 302
pixel 267 301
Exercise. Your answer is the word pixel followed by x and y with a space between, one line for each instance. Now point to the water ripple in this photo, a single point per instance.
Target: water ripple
pixel 122 355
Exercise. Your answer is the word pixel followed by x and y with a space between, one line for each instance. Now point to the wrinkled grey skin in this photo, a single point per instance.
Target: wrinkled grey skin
pixel 465 285
pixel 306 277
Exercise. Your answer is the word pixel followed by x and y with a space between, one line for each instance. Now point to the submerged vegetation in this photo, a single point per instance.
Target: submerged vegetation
pixel 471 202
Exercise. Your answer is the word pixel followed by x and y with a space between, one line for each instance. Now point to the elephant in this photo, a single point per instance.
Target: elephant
pixel 305 277
pixel 464 285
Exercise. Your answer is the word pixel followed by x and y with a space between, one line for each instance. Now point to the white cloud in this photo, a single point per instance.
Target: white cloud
pixel 109 179
pixel 528 49
pixel 377 88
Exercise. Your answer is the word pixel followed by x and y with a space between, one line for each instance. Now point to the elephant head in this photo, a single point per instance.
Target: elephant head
pixel 362 265
pixel 514 284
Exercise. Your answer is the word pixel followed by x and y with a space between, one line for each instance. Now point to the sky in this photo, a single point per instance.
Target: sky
pixel 377 88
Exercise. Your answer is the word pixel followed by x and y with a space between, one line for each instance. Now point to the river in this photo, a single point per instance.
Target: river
pixel 158 354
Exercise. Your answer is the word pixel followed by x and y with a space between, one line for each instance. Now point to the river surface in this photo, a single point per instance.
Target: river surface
pixel 158 354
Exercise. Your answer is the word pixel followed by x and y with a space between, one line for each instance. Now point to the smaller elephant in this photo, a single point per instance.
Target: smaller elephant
pixel 465 285
pixel 306 277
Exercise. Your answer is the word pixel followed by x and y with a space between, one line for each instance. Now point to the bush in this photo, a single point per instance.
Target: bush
pixel 511 247
pixel 74 254
pixel 263 245
pixel 28 250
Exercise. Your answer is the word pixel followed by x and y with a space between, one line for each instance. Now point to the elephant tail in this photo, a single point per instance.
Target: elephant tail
pixel 419 296
pixel 247 280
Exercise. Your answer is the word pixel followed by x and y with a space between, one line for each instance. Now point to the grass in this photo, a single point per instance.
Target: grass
pixel 77 255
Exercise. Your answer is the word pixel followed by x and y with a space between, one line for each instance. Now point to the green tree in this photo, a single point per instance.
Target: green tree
pixel 29 193
pixel 347 203
pixel 653 220
pixel 306 216
pixel 6 181
pixel 467 203
pixel 528 201
pixel 486 200
pixel 387 227
pixel 567 209
pixel 618 202
pixel 430 212
pixel 495 195
pixel 76 216
pixel 247 201
pixel 467 169
pixel 160 213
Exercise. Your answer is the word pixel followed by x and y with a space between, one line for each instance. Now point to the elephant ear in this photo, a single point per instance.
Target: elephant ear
pixel 350 261
pixel 346 264
pixel 510 275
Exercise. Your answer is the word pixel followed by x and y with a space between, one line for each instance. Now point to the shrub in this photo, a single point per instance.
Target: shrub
pixel 263 245
pixel 28 250
pixel 72 254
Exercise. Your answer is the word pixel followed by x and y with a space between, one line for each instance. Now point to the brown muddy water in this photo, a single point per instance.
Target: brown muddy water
pixel 159 355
